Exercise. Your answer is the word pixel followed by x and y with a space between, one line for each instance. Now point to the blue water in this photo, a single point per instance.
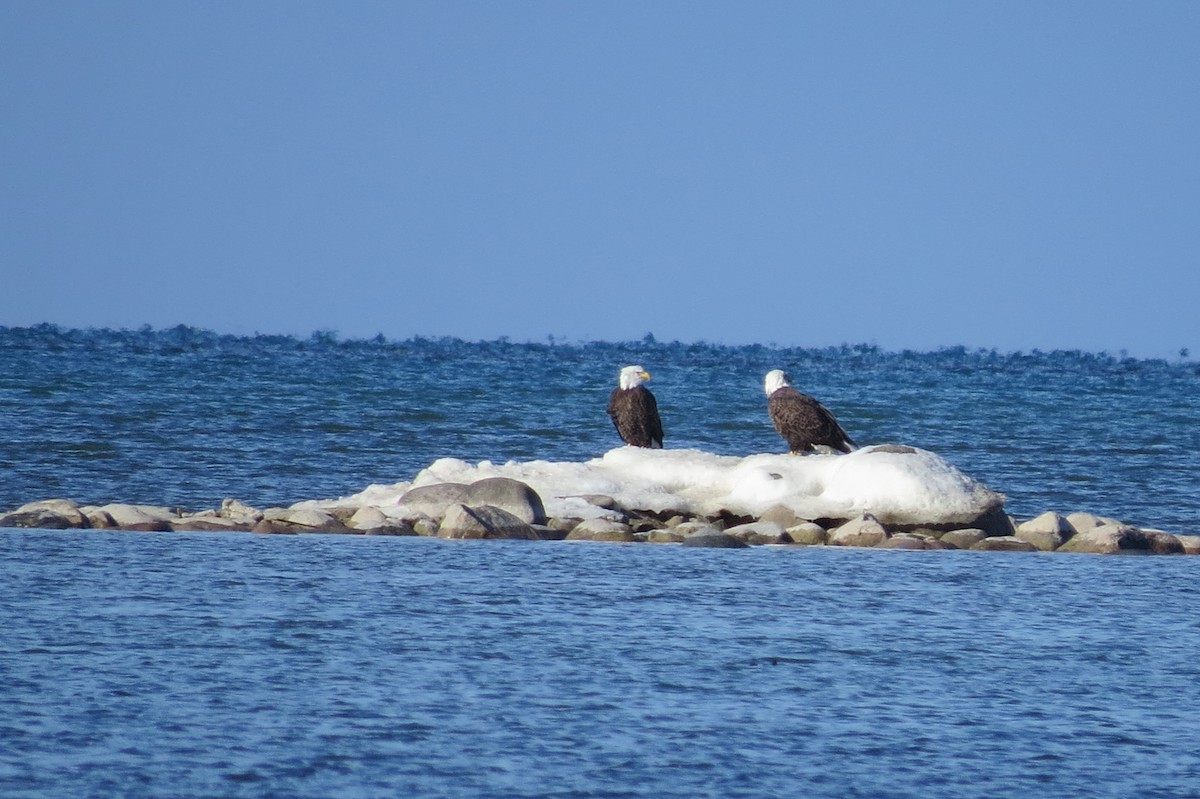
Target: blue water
pixel 214 665
pixel 197 665
pixel 185 417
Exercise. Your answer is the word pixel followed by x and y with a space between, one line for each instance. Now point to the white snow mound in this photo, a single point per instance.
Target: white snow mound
pixel 896 484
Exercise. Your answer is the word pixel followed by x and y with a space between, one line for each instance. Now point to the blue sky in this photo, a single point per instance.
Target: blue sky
pixel 1015 175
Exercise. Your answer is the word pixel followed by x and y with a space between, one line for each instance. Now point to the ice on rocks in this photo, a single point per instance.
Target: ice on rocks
pixel 896 484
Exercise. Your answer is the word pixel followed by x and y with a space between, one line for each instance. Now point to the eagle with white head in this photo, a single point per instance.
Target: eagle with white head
pixel 634 410
pixel 802 421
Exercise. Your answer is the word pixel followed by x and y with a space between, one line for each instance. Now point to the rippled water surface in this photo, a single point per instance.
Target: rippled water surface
pixel 186 417
pixel 193 665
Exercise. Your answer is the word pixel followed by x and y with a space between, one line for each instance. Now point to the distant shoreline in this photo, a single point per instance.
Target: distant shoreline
pixel 328 337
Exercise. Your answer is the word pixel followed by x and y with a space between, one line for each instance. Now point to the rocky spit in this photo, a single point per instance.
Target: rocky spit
pixel 503 508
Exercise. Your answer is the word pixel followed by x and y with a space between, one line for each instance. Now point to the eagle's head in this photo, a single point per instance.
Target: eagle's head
pixel 633 376
pixel 775 380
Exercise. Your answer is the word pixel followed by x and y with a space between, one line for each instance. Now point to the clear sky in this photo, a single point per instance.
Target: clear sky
pixel 1010 174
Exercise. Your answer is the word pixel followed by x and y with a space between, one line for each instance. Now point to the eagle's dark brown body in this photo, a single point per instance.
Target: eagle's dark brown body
pixel 804 423
pixel 634 412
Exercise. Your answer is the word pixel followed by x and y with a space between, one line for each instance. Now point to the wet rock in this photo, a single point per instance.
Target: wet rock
pixel 304 520
pixel 394 527
pixel 485 521
pixel 687 528
pixel 439 499
pixel 1046 532
pixel 511 495
pixel 372 521
pixel 48 514
pixel 434 500
pixel 1086 521
pixel 665 536
pixel 1108 539
pixel 1163 543
pixel 727 518
pixel 547 533
pixel 995 522
pixel 865 531
pixel 424 525
pixel 759 533
pixel 963 539
pixel 37 518
pixel 1190 544
pixel 711 537
pixel 563 526
pixel 601 530
pixel 366 518
pixel 905 541
pixel 1003 543
pixel 149 518
pixel 97 518
pixel 808 534
pixel 266 526
pixel 210 521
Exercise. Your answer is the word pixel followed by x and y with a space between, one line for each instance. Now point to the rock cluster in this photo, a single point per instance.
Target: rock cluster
pixel 503 508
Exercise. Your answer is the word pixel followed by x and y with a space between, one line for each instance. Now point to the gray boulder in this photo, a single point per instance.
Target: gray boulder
pixel 140 517
pixel 485 521
pixel 687 528
pixel 47 514
pixel 512 495
pixel 435 500
pixel 367 518
pixel 1086 521
pixel 994 522
pixel 1190 544
pixel 211 521
pixel 665 536
pixel 424 525
pixel 1004 543
pixel 601 530
pixel 372 521
pixel 1109 539
pixel 302 520
pixel 963 539
pixel 1163 543
pixel 808 534
pixel 761 532
pixel 1046 532
pixel 396 527
pixel 711 537
pixel 556 529
pixel 906 541
pixel 865 531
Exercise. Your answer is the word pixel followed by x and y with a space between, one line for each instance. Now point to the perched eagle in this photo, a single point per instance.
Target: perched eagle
pixel 800 419
pixel 634 411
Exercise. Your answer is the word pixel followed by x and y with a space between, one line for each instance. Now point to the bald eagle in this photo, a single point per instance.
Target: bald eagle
pixel 634 411
pixel 801 420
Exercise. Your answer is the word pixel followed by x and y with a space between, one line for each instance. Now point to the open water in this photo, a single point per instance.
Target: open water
pixel 185 417
pixel 195 665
